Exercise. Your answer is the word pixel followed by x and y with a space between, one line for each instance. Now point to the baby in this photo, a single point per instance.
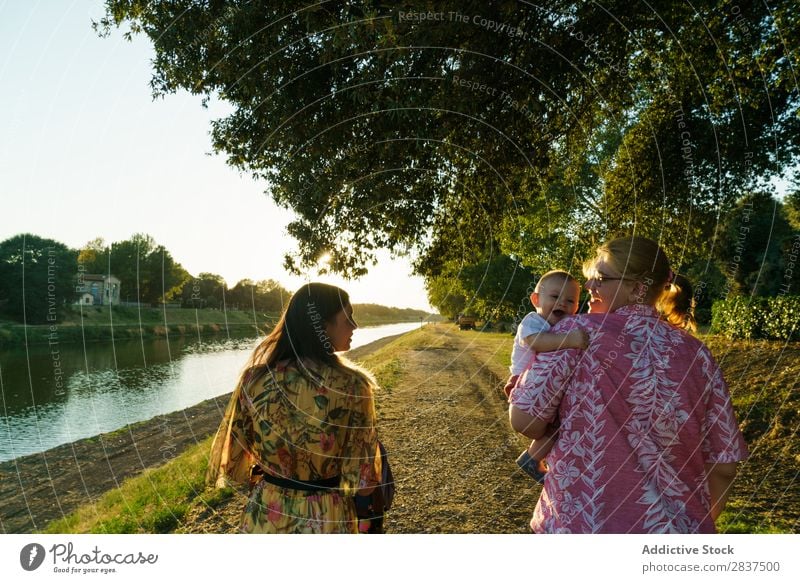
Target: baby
pixel 556 296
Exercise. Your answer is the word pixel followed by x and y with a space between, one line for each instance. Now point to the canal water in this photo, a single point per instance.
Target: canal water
pixel 51 398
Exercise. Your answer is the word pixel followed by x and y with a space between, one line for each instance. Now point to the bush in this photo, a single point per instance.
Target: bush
pixel 783 320
pixel 773 318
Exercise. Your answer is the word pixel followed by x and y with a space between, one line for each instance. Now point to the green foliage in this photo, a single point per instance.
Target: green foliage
pixel 709 284
pixel 773 318
pixel 792 205
pixel 386 131
pixel 782 321
pixel 36 278
pixel 207 290
pixel 147 271
pixel 262 296
pixel 367 314
pixel 755 242
pixel 446 294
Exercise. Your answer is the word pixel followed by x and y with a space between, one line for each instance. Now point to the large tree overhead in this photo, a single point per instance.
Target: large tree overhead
pixel 529 128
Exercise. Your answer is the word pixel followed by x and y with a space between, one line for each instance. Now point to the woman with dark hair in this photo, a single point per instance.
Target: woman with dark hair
pixel 648 441
pixel 300 425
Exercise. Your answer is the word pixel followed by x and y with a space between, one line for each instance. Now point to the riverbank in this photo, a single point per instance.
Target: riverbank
pixel 444 422
pixel 102 324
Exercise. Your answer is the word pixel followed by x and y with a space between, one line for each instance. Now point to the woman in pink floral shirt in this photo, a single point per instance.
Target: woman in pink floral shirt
pixel 648 441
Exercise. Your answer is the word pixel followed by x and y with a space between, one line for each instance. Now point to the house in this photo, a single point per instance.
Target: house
pixel 98 290
pixel 86 299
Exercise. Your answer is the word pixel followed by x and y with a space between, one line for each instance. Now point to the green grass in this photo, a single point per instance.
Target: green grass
pixel 152 502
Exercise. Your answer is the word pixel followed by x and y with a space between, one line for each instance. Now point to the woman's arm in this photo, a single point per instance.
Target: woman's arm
pixel 361 458
pixel 720 477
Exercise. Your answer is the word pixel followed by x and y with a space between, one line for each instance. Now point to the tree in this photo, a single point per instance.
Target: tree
pixel 374 122
pixel 792 206
pixel 147 271
pixel 37 278
pixel 242 295
pixel 204 291
pixel 163 277
pixel 270 296
pixel 755 240
pixel 263 296
pixel 446 295
pixel 93 257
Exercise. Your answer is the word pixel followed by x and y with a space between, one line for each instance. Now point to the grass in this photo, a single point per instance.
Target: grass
pixel 153 502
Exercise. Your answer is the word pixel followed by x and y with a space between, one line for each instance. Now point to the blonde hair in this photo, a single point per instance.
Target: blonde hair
pixel 556 274
pixel 641 259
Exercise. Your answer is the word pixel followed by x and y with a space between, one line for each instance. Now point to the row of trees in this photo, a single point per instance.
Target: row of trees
pixel 495 139
pixel 752 252
pixel 39 277
pixel 209 290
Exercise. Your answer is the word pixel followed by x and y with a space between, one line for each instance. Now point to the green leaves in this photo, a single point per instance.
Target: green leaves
pixel 749 318
pixel 532 130
pixel 36 278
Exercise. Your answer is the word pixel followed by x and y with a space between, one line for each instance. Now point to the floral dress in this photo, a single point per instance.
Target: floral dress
pixel 642 411
pixel 307 422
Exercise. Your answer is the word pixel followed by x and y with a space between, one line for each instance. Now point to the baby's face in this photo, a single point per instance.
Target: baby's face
pixel 557 299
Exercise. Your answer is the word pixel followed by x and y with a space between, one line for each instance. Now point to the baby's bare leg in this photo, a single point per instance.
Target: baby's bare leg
pixel 539 448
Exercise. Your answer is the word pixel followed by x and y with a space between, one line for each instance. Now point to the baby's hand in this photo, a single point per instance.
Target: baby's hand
pixel 577 338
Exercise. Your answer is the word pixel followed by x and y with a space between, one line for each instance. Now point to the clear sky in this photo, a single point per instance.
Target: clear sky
pixel 85 152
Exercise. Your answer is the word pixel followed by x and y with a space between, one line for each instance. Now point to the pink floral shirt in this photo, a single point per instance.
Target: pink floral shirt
pixel 642 410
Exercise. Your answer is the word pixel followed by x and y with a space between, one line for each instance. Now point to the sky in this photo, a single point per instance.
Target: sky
pixel 86 152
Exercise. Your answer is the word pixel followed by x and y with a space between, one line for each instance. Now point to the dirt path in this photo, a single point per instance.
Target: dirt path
pixel 452 446
pixel 445 426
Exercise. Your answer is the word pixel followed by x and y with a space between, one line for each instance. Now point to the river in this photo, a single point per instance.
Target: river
pixel 51 396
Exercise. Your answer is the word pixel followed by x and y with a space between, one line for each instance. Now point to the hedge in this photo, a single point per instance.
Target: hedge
pixel 772 318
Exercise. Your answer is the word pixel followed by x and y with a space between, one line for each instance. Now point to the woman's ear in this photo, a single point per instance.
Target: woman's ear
pixel 638 292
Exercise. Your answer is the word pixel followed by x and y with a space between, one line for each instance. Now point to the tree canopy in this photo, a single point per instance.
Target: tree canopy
pixel 465 131
pixel 37 278
pixel 147 270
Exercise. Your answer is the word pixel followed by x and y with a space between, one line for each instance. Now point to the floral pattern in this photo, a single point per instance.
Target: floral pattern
pixel 307 422
pixel 642 411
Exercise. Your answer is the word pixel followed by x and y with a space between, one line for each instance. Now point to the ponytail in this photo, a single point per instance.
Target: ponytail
pixel 677 303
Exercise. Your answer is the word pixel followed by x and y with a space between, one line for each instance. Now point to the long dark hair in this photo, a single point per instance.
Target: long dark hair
pixel 300 332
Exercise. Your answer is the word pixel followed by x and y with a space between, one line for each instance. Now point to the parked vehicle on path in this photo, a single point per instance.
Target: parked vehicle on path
pixel 466 322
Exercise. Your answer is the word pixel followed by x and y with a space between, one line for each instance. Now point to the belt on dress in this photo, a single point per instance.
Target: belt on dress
pixel 303 486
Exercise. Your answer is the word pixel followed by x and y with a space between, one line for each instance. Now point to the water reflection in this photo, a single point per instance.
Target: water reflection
pixel 57 394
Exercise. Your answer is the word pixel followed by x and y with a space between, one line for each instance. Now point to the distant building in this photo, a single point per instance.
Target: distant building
pixel 98 290
pixel 86 299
